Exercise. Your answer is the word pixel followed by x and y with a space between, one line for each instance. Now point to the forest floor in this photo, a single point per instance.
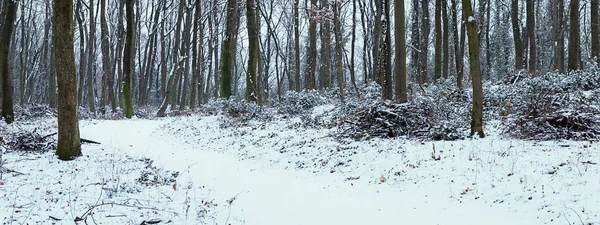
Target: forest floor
pixel 217 170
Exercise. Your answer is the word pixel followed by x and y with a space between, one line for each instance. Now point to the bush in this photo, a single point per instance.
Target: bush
pixel 298 103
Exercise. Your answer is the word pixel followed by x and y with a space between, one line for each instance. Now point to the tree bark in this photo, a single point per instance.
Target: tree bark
pixel 10 8
pixel 377 45
pixel 82 51
pixel 446 40
pixel 23 57
pixel 312 48
pixel 595 30
pixel 339 67
pixel 128 58
pixel 517 34
pixel 558 36
pixel 475 70
pixel 228 50
pixel 106 68
pixel 531 35
pixel 424 55
pixel 253 51
pixel 91 60
pixel 400 70
pixel 296 46
pixel 458 50
pixel 438 41
pixel 324 73
pixel 416 40
pixel 574 39
pixel 385 55
pixel 197 60
pixel 69 144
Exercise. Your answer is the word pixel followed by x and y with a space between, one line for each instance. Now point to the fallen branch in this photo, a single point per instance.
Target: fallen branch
pixel 89 211
pixel 83 140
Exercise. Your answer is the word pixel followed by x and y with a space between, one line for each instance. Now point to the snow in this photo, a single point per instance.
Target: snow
pixel 471 19
pixel 280 172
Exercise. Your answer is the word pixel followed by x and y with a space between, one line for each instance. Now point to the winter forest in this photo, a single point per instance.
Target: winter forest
pixel 300 112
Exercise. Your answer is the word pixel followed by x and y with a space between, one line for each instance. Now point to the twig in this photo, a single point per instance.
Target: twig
pixel 86 213
pixel 54 218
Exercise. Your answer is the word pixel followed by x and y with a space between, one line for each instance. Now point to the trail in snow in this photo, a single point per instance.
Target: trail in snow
pixel 283 172
pixel 276 196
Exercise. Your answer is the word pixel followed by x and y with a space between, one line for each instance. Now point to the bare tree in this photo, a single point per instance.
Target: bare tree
pixel 296 46
pixel 324 73
pixel 229 49
pixel 558 36
pixel 337 30
pixel 438 41
pixel 312 48
pixel 106 68
pixel 458 44
pixel 128 58
pixel 475 70
pixel 574 48
pixel 531 35
pixel 10 8
pixel 445 40
pixel 91 61
pixel 595 30
pixel 424 45
pixel 253 51
pixel 400 70
pixel 517 34
pixel 69 145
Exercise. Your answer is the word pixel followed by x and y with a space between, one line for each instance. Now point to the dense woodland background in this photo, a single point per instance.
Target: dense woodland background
pixel 189 51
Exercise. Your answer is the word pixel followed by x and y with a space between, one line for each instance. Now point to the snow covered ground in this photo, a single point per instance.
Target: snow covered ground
pixel 218 170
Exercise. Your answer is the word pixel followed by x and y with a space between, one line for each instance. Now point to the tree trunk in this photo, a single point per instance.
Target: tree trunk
pixel 458 50
pixel 106 68
pixel 69 145
pixel 531 35
pixel 595 30
pixel 324 73
pixel 128 58
pixel 351 65
pixel 517 34
pixel 475 70
pixel 229 49
pixel 438 41
pixel 186 54
pixel 253 51
pixel 171 84
pixel 446 40
pixel 82 55
pixel 91 60
pixel 385 56
pixel 163 59
pixel 197 60
pixel 558 36
pixel 10 8
pixel 296 46
pixel 400 70
pixel 339 67
pixel 424 55
pixel 366 38
pixel 574 48
pixel 377 36
pixel 23 57
pixel 312 47
pixel 416 41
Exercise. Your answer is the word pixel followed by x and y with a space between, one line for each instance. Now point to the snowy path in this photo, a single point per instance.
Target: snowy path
pixel 272 195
